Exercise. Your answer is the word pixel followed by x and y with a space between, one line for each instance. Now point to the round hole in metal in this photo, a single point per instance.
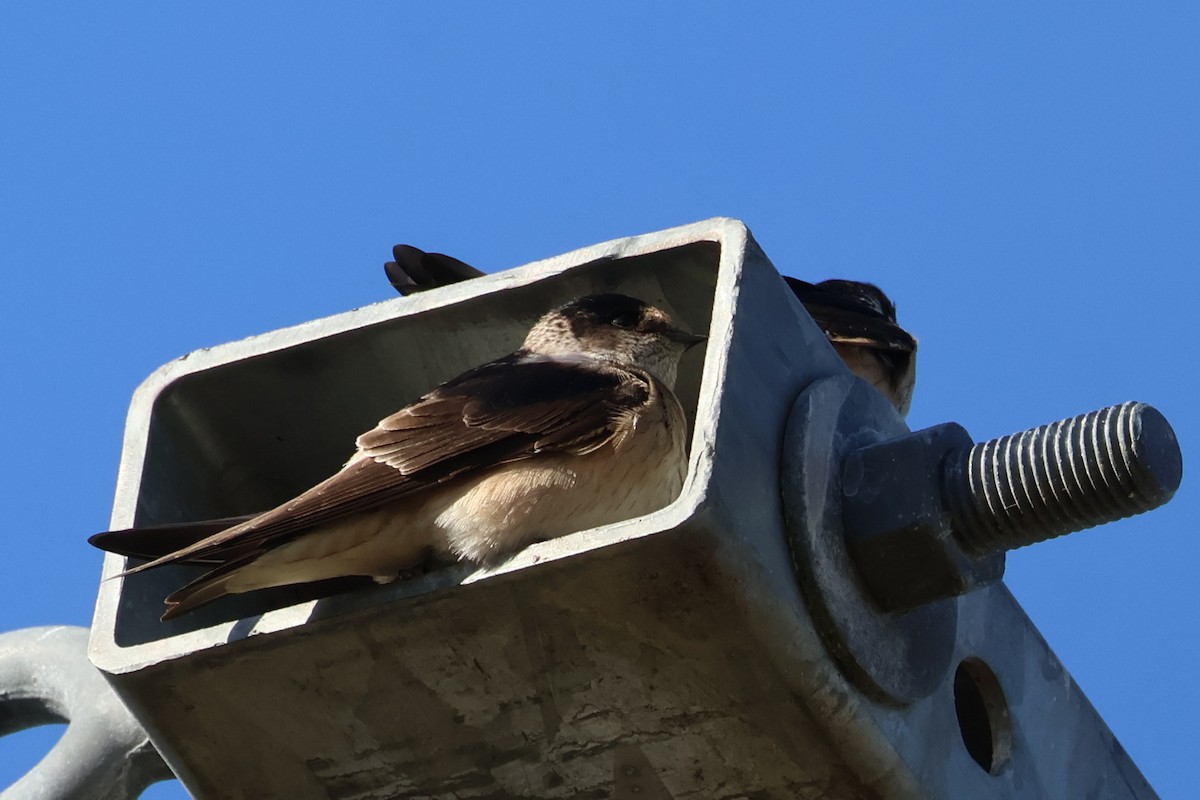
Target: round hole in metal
pixel 983 716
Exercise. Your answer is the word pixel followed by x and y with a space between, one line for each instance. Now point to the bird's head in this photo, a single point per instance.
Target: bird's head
pixel 616 328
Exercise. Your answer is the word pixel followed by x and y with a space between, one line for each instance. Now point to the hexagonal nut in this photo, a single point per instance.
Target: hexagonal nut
pixel 896 525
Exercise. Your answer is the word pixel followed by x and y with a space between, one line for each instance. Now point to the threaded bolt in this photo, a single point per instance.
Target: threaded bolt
pixel 1062 477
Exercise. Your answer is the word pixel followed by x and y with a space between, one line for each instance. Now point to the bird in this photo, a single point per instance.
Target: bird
pixel 860 322
pixel 579 427
pixel 858 318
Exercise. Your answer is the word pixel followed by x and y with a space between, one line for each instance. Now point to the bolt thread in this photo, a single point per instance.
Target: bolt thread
pixel 1062 477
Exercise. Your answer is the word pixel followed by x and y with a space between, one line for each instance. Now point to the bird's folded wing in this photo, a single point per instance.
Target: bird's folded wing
pixel 504 411
pixel 414 270
pixel 157 540
pixel 526 404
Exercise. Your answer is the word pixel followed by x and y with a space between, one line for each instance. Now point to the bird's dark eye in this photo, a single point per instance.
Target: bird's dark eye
pixel 625 319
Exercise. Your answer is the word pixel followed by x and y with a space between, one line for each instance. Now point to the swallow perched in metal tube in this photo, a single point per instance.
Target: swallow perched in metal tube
pixel 858 318
pixel 578 428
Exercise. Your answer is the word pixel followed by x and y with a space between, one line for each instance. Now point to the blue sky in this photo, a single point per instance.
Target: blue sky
pixel 1023 179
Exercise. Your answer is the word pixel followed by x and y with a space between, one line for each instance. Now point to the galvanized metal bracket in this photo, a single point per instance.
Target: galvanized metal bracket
pixel 104 754
pixel 672 655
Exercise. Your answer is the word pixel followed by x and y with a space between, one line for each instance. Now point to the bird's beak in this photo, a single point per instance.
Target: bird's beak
pixel 686 339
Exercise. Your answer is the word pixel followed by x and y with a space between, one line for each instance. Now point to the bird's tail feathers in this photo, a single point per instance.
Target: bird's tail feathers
pixel 208 587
